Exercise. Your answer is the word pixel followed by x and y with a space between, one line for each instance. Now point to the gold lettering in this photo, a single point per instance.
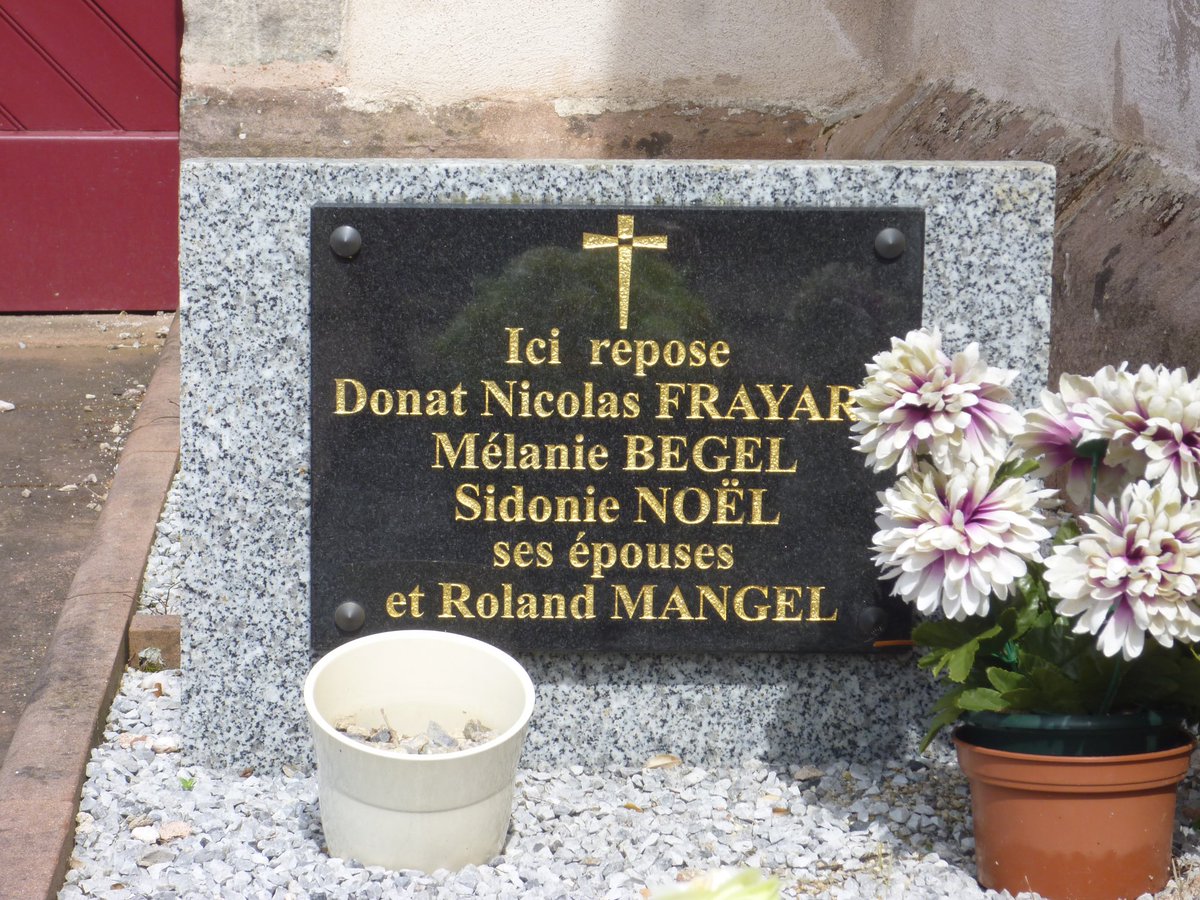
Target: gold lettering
pixel 538 351
pixel 675 604
pixel 583 604
pixel 717 463
pixel 784 605
pixel 814 606
pixel 408 402
pixel 645 497
pixel 756 508
pixel 837 405
pixel 436 403
pixel 399 605
pixel 381 402
pixel 719 604
pixel 774 466
pixel 554 606
pixel 742 404
pixel 454 601
pixel 639 452
pixel 487 606
pixel 704 397
pixel 528 608
pixel 668 399
pixel 514 346
pixel 703 505
pixel 466 449
pixel 492 391
pixel 773 401
pixel 623 600
pixel 739 603
pixel 360 396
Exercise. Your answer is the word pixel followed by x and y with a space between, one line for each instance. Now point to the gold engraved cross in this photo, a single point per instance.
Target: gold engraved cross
pixel 625 243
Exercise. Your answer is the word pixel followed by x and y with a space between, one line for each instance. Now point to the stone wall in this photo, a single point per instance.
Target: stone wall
pixel 407 78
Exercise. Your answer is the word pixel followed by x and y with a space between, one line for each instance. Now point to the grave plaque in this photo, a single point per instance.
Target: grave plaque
pixel 602 428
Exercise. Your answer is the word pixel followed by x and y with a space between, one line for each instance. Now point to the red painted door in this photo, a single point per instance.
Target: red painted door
pixel 89 154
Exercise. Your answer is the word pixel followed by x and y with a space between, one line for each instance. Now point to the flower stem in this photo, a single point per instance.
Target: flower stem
pixel 1113 683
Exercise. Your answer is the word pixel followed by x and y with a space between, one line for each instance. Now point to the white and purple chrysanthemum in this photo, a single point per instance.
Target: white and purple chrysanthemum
pixel 1154 415
pixel 1135 569
pixel 1054 431
pixel 916 401
pixel 953 541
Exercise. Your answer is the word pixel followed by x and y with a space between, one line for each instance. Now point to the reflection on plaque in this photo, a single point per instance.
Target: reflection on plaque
pixel 601 428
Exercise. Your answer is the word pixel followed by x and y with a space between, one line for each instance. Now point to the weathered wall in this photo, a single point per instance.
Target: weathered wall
pixel 1103 91
pixel 1128 68
pixel 527 76
pixel 1126 283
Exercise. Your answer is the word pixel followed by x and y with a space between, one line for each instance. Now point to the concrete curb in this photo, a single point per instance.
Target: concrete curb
pixel 43 773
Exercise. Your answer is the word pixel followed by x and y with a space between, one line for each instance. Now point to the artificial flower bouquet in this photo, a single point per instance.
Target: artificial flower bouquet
pixel 1045 601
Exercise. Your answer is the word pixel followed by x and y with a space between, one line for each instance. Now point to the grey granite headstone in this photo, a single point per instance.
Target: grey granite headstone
pixel 245 484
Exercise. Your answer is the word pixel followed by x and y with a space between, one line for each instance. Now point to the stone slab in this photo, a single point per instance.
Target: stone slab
pixel 697 434
pixel 245 445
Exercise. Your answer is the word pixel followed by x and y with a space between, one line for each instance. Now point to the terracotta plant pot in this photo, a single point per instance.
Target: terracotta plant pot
pixel 1073 827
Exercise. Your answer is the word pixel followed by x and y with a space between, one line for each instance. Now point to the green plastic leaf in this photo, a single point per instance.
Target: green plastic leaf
pixel 946 712
pixel 939 721
pixel 1047 689
pixel 1014 468
pixel 1003 680
pixel 960 661
pixel 982 699
pixel 945 633
pixel 1066 531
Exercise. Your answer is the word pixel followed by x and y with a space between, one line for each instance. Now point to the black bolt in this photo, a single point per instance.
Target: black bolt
pixel 345 241
pixel 872 622
pixel 349 616
pixel 890 243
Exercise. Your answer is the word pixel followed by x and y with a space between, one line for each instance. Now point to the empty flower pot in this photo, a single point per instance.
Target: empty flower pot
pixel 427 812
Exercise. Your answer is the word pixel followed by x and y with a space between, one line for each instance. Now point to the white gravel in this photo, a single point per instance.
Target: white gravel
pixel 161 580
pixel 153 824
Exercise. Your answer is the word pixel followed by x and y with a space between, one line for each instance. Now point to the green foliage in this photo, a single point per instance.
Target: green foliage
pixel 187 783
pixel 1014 468
pixel 1022 657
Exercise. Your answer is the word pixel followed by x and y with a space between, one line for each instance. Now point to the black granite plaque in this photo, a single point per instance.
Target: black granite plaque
pixel 602 428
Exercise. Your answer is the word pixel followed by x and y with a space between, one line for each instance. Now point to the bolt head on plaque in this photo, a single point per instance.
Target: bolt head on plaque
pixel 349 616
pixel 345 241
pixel 872 622
pixel 890 243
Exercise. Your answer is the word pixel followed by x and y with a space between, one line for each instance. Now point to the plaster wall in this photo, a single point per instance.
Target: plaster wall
pixel 1125 67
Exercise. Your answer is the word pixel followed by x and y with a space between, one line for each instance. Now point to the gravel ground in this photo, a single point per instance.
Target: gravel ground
pixel 153 824
pixel 161 580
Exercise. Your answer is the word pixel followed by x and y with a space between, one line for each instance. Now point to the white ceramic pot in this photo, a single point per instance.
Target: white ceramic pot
pixel 400 811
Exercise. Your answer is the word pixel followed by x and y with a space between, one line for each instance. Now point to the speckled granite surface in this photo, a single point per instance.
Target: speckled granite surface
pixel 244 411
